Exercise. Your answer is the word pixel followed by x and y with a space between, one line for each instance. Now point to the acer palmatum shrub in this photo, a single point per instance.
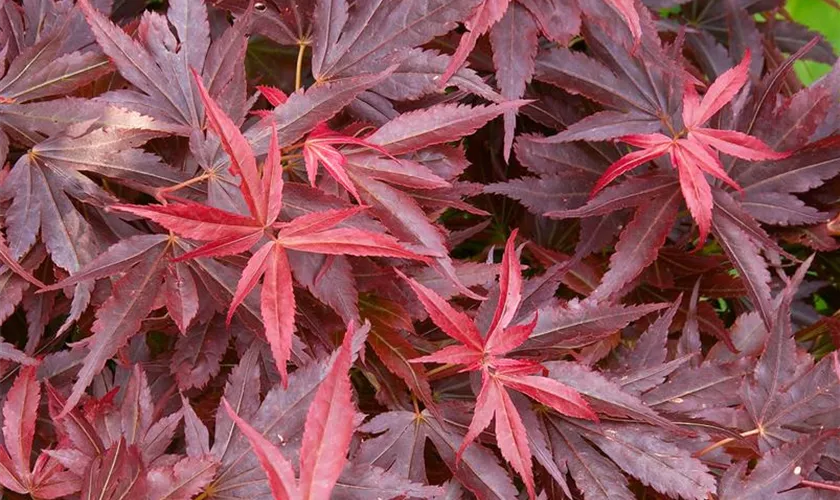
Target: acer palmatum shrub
pixel 380 249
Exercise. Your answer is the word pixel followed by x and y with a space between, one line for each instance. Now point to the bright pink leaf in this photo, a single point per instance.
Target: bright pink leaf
pixel 272 179
pixel 194 220
pixel 489 398
pixel 737 144
pixel 695 189
pixel 454 323
pixel 254 270
pixel 277 306
pixel 627 163
pixel 512 439
pixel 242 162
pixel 718 94
pixel 273 95
pixel 510 291
pixel 349 241
pixel 549 392
pixel 329 427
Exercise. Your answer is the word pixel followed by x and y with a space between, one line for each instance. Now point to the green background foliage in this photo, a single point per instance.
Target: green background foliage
pixel 822 17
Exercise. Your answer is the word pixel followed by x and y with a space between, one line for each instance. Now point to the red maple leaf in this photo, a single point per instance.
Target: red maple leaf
pixel 693 149
pixel 498 372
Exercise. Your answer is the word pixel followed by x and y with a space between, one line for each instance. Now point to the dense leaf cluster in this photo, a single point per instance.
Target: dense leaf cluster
pixel 380 249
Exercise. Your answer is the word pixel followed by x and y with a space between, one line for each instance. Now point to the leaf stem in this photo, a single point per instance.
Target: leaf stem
pixel 724 442
pixel 820 486
pixel 161 194
pixel 299 65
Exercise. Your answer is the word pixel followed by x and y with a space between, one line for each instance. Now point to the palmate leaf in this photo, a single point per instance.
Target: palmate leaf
pixel 48 478
pixel 118 472
pixel 516 34
pixel 376 33
pixel 160 67
pixel 488 355
pixel 778 393
pixel 279 418
pixel 49 181
pixel 229 233
pixel 321 459
pixel 41 205
pixel 739 235
pixel 489 14
pixel 401 441
pixel 779 470
pixel 166 233
pixel 636 86
pixel 694 155
pixel 131 424
pixel 48 66
pixel 144 261
pixel 647 456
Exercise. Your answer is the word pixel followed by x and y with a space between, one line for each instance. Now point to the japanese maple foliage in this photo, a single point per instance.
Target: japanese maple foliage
pixel 383 249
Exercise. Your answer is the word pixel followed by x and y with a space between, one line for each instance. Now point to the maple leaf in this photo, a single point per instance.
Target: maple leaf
pixel 319 147
pixel 48 179
pixel 400 442
pixel 230 233
pixel 116 473
pixel 782 391
pixel 163 233
pixel 377 33
pixel 770 188
pixel 56 62
pixel 693 156
pixel 144 262
pixel 567 170
pixel 410 133
pixel 498 372
pixel 780 470
pixel 489 12
pixel 47 478
pixel 322 458
pixel 158 64
pixel 124 417
pixel 280 418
